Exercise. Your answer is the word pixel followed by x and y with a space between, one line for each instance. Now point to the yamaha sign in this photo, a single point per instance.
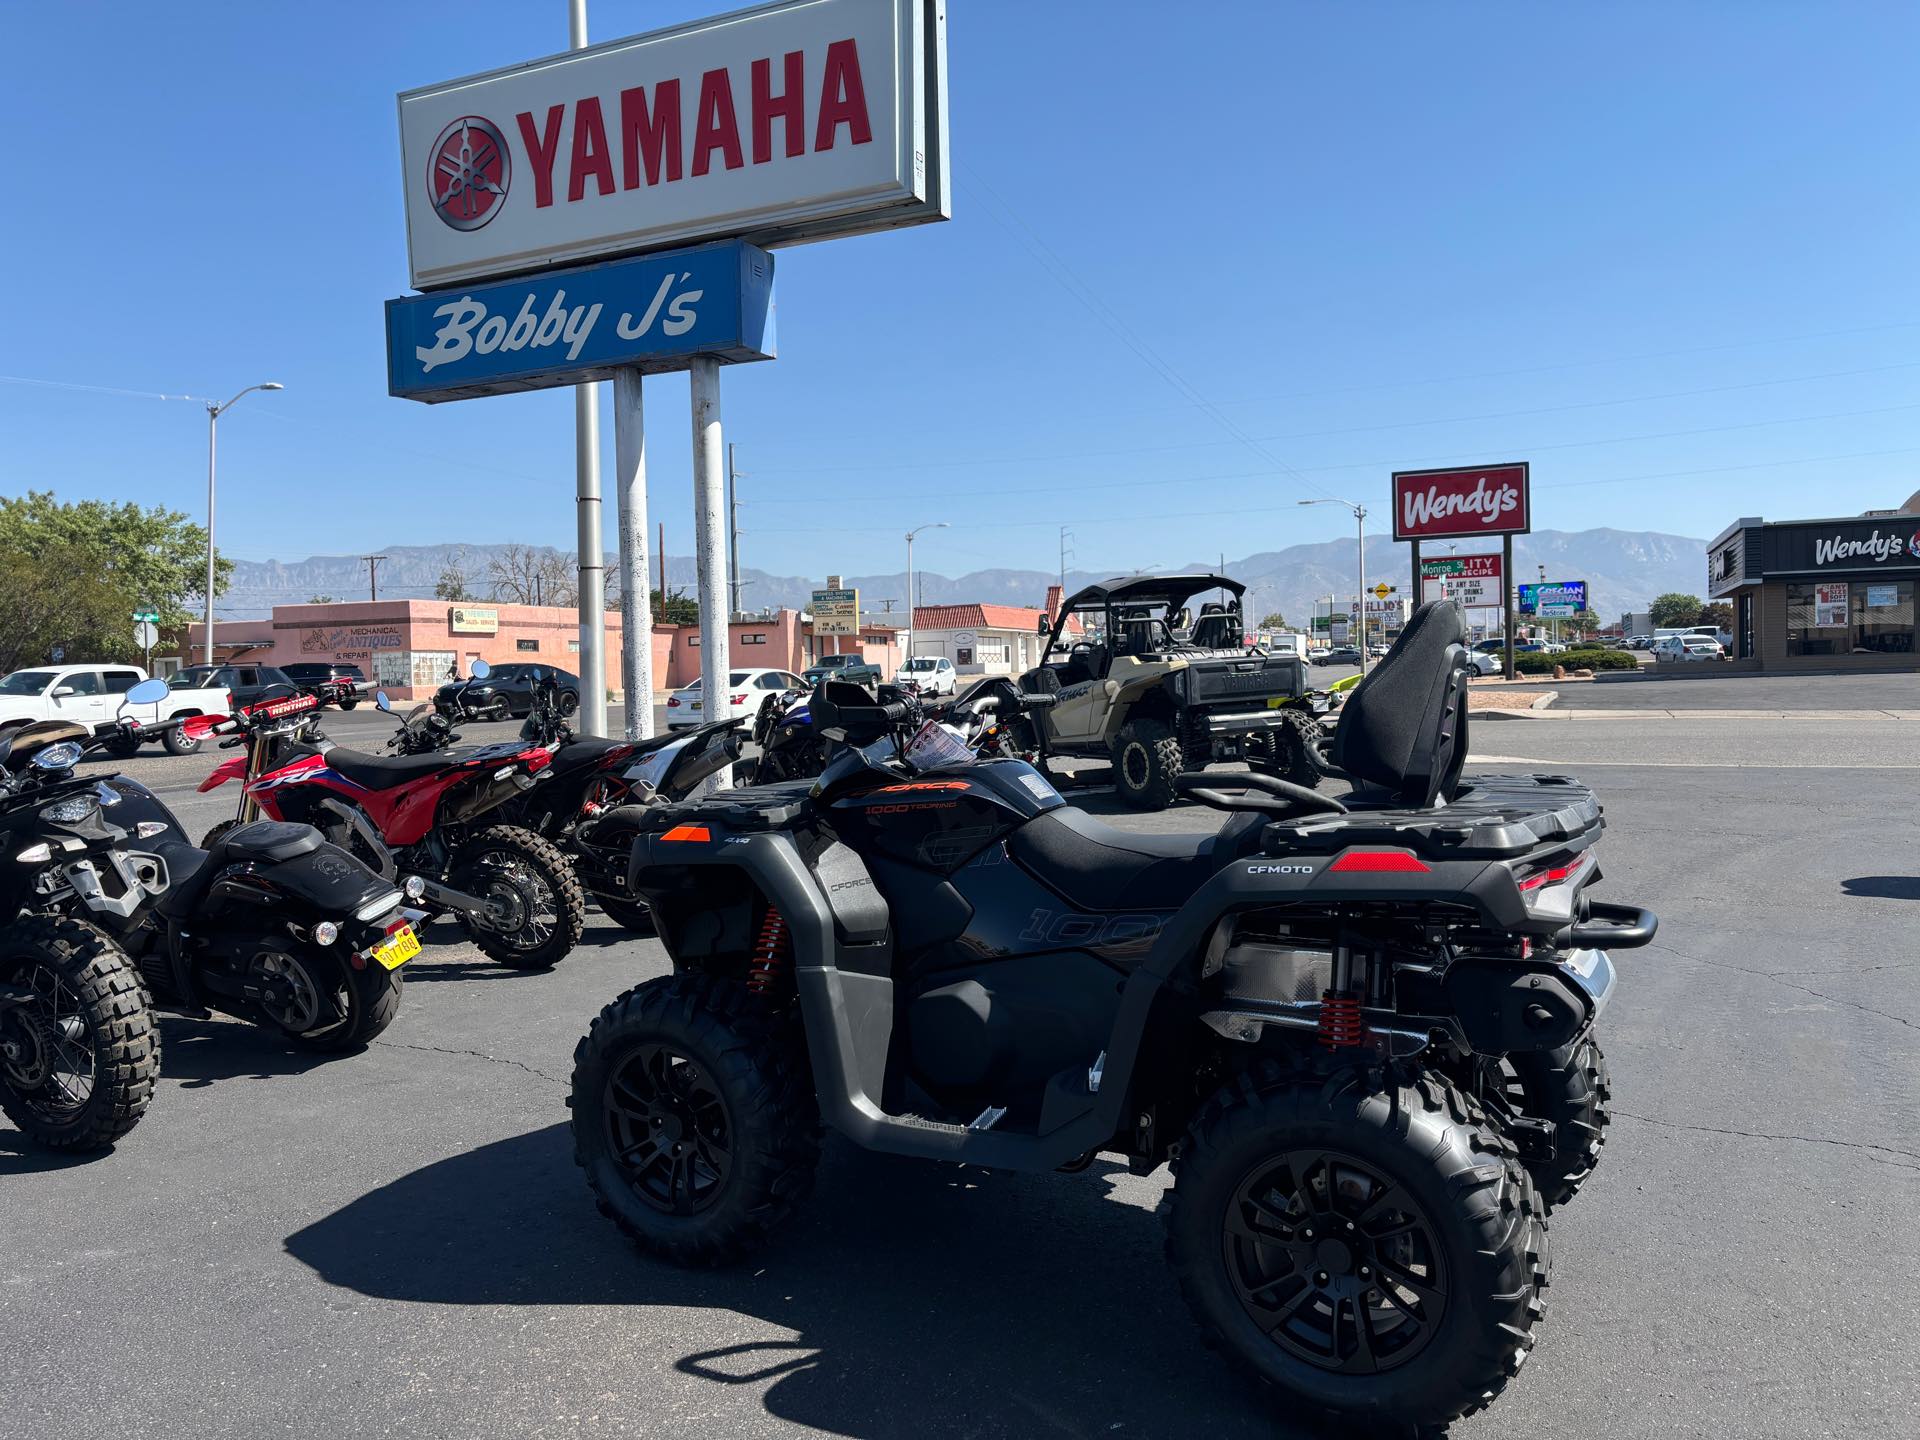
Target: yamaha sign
pixel 801 120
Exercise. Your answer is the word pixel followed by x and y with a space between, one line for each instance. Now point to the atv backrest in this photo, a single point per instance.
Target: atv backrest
pixel 1404 727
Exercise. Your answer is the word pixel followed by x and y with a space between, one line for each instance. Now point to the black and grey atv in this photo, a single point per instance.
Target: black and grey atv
pixel 1349 1025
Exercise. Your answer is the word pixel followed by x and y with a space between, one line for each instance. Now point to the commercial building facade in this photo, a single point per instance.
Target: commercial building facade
pixel 1821 594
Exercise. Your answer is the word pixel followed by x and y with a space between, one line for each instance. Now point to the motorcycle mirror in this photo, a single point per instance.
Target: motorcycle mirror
pixel 480 669
pixel 381 702
pixel 147 692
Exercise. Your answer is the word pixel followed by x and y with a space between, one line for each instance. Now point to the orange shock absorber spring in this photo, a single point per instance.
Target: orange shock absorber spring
pixel 1341 1023
pixel 772 954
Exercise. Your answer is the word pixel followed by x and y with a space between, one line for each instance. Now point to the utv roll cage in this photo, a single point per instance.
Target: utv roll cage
pixel 1129 624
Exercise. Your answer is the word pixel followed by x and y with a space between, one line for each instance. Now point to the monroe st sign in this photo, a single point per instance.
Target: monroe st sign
pixel 801 120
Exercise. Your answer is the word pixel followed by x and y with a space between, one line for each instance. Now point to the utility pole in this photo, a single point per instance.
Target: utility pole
pixel 591 596
pixel 663 562
pixel 373 565
pixel 733 523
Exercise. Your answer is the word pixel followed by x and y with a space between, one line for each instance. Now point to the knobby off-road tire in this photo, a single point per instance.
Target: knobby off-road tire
pixel 543 942
pixel 1146 764
pixel 1568 1088
pixel 1419 1147
pixel 217 834
pixel 98 986
pixel 1289 750
pixel 694 1117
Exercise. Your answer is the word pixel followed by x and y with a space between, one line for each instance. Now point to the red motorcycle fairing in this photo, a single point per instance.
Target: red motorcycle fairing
pixel 234 769
pixel 404 813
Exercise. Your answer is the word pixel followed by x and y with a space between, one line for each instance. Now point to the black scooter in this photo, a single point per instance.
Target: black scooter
pixel 1361 1030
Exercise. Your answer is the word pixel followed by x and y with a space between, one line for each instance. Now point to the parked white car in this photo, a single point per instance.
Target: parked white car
pixel 746 689
pixel 90 695
pixel 1683 648
pixel 1485 662
pixel 934 674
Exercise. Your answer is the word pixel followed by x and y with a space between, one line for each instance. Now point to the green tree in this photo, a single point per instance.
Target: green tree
pixel 453 583
pixel 1273 620
pixel 1673 609
pixel 76 571
pixel 1719 614
pixel 676 609
pixel 320 599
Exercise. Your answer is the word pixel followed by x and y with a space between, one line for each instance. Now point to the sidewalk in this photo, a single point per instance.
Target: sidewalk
pixel 1829 715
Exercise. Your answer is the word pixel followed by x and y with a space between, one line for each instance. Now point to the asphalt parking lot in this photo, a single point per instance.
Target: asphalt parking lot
pixel 397 1243
pixel 1704 687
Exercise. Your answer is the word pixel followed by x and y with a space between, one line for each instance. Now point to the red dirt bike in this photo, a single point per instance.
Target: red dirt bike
pixel 418 815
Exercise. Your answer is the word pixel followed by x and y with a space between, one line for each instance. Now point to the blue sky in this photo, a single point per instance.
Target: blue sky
pixel 1205 261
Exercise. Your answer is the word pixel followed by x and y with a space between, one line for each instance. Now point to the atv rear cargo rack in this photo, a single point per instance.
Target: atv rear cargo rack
pixel 1500 817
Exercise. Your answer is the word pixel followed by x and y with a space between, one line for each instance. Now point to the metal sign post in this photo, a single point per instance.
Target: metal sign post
pixel 636 604
pixel 710 537
pixel 1507 598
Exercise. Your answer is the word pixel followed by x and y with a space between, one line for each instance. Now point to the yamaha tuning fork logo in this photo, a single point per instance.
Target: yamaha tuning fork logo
pixel 468 172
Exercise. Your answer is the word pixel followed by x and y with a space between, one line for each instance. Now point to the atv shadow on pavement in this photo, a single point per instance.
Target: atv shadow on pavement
pixel 920 1299
pixel 1882 887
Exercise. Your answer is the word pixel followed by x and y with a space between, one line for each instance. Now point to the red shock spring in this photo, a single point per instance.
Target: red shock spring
pixel 1341 1023
pixel 772 954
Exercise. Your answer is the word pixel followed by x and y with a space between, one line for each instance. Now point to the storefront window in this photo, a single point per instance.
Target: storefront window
pixel 1858 617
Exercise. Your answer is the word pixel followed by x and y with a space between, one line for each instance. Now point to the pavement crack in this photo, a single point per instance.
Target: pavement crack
pixel 1861 1145
pixel 476 1055
pixel 1778 977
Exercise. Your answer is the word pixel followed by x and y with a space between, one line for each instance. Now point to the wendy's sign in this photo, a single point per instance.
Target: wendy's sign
pixel 1468 500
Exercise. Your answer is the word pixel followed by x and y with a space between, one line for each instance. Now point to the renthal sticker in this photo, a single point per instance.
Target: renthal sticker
pixel 1279 869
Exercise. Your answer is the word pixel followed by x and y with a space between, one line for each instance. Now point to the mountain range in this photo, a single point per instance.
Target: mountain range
pixel 1624 570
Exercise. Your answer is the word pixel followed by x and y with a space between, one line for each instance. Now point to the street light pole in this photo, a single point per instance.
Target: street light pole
pixel 906 656
pixel 1360 523
pixel 214 412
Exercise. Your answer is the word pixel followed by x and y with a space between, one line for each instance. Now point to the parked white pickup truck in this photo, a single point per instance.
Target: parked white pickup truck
pixel 90 695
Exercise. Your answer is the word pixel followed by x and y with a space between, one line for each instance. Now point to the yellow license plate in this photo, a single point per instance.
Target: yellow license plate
pixel 399 947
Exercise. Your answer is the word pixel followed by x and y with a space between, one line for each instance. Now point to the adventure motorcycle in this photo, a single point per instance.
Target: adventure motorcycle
pixel 1361 1030
pixel 430 816
pixel 783 734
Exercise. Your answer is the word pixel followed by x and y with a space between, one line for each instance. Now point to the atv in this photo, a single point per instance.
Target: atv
pixel 1361 1030
pixel 1160 692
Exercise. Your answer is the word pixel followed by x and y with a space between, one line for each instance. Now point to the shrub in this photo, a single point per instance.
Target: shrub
pixel 1534 663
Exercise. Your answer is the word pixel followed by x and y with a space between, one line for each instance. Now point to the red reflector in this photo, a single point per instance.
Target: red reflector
pixel 1378 862
pixel 687 832
pixel 1553 876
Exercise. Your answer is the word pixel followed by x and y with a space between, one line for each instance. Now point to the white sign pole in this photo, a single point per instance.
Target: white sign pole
pixel 586 469
pixel 710 537
pixel 636 604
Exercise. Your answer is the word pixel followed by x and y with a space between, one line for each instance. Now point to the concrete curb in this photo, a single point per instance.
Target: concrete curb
pixel 1827 715
pixel 1534 712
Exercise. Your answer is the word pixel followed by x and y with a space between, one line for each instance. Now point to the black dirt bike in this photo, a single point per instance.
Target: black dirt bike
pixel 1361 1030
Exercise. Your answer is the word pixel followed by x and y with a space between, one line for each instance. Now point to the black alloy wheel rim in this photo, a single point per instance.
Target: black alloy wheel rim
pixel 668 1130
pixel 46 1048
pixel 1336 1262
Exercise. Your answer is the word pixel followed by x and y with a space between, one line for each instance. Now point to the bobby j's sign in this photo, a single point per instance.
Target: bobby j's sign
pixel 654 312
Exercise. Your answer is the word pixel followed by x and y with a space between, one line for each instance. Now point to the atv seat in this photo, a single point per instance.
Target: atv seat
pixel 1404 728
pixel 1094 866
pixel 270 841
pixel 384 772
pixel 1218 630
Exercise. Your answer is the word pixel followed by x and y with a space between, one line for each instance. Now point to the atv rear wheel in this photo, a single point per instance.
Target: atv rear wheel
pixel 694 1117
pixel 1146 764
pixel 1569 1089
pixel 1287 752
pixel 633 914
pixel 80 1055
pixel 541 908
pixel 1377 1255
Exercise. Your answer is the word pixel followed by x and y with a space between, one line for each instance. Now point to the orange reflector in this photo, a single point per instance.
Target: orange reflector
pixel 687 832
pixel 1378 862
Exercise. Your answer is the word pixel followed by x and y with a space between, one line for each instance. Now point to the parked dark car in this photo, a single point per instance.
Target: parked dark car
pixel 334 683
pixel 856 668
pixel 507 691
pixel 246 683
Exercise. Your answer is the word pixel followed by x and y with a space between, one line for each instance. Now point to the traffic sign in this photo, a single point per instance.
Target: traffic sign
pixel 150 616
pixel 1382 590
pixel 146 634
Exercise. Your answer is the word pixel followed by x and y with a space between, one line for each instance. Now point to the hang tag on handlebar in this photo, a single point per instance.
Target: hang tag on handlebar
pixel 934 746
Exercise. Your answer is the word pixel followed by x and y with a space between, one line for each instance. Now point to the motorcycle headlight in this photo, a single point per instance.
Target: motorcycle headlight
pixel 71 810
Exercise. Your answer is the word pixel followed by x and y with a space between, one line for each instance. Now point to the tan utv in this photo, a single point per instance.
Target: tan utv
pixel 1143 680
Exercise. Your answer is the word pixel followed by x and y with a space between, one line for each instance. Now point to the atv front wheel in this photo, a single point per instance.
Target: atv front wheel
pixel 1569 1089
pixel 694 1117
pixel 1146 764
pixel 1375 1254
pixel 79 1050
pixel 539 909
